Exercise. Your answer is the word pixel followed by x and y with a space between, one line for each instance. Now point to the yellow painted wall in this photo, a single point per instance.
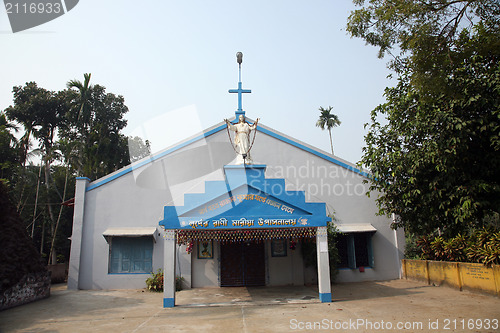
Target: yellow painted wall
pixel 416 269
pixel 477 276
pixel 443 272
pixel 468 276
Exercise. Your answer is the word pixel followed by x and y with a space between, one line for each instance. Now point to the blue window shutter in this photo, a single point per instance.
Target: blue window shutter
pixel 371 259
pixel 351 252
pixel 131 255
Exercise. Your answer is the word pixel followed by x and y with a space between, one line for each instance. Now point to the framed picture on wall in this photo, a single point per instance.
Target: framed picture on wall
pixel 278 247
pixel 205 249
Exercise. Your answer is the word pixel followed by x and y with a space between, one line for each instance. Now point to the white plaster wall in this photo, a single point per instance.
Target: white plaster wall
pixel 343 192
pixel 205 271
pixel 285 270
pixel 137 198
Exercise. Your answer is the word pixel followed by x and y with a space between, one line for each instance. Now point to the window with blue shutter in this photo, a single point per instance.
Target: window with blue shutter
pixel 131 255
pixel 355 250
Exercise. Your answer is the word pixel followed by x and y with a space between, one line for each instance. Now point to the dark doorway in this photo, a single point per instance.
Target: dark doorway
pixel 242 264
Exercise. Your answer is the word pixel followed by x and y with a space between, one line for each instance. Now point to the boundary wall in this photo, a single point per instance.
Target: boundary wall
pixel 459 275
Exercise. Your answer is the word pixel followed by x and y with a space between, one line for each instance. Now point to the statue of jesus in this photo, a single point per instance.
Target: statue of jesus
pixel 242 139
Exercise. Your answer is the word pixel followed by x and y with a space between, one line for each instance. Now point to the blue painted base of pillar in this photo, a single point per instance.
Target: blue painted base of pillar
pixel 325 297
pixel 168 302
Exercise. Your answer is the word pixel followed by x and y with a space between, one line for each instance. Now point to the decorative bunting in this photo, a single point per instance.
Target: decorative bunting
pixel 224 236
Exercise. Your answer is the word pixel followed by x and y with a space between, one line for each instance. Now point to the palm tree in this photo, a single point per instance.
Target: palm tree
pixel 82 116
pixel 328 120
pixel 84 89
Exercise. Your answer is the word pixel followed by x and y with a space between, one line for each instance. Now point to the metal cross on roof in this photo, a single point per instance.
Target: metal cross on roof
pixel 239 91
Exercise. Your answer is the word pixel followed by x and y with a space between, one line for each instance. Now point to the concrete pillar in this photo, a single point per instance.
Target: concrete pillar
pixel 77 234
pixel 324 286
pixel 183 267
pixel 169 269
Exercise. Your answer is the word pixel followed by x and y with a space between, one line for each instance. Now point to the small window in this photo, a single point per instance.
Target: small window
pixel 355 250
pixel 361 249
pixel 131 255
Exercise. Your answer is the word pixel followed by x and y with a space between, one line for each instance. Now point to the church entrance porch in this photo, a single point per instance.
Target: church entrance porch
pixel 242 264
pixel 242 213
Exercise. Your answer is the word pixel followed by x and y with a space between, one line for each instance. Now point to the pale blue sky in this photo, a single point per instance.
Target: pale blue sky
pixel 169 58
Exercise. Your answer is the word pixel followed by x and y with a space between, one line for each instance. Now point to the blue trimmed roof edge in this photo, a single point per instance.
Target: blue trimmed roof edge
pixel 213 130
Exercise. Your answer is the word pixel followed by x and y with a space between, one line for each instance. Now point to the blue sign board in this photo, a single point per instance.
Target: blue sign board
pixel 245 200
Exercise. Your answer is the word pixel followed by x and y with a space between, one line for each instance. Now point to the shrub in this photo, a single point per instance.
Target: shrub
pixel 481 246
pixel 155 282
pixel 178 283
pixel 486 248
pixel 309 254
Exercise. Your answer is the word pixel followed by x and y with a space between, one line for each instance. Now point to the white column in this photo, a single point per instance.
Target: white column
pixel 183 266
pixel 325 293
pixel 169 269
pixel 77 234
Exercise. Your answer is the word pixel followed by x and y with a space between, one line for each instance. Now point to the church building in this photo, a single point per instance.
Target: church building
pixel 234 205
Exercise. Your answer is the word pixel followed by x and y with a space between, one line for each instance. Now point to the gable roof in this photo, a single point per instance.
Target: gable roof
pixel 216 129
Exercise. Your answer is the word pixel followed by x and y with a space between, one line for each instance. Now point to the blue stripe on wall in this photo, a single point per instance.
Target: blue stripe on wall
pixel 155 157
pixel 312 151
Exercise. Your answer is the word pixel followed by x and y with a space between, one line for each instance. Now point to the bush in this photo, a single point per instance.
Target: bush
pixel 486 248
pixel 178 283
pixel 481 246
pixel 155 282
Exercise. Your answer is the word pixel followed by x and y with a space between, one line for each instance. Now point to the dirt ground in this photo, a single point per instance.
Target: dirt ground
pixel 388 306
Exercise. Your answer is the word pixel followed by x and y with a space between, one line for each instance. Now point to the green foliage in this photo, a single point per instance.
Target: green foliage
pixel 481 246
pixel 412 249
pixel 418 29
pixel 431 146
pixel 178 283
pixel 155 282
pixel 8 151
pixel 75 132
pixel 309 254
pixel 93 124
pixel 486 248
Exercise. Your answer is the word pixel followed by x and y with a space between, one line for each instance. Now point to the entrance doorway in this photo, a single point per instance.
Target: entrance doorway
pixel 242 264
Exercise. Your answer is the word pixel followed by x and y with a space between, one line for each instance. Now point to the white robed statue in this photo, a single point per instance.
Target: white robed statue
pixel 242 144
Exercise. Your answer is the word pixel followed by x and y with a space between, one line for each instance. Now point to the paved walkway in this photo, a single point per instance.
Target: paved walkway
pixel 357 307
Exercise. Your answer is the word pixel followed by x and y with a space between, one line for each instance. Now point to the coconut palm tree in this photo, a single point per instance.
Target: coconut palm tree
pixel 81 116
pixel 328 120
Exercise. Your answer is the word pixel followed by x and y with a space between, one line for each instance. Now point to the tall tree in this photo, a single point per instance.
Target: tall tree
pixel 80 127
pixel 328 120
pixel 29 101
pixel 431 146
pixel 41 112
pixel 50 118
pixel 95 121
pixel 8 154
pixel 81 102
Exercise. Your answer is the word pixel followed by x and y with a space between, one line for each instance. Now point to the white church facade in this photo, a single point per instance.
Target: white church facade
pixel 195 211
